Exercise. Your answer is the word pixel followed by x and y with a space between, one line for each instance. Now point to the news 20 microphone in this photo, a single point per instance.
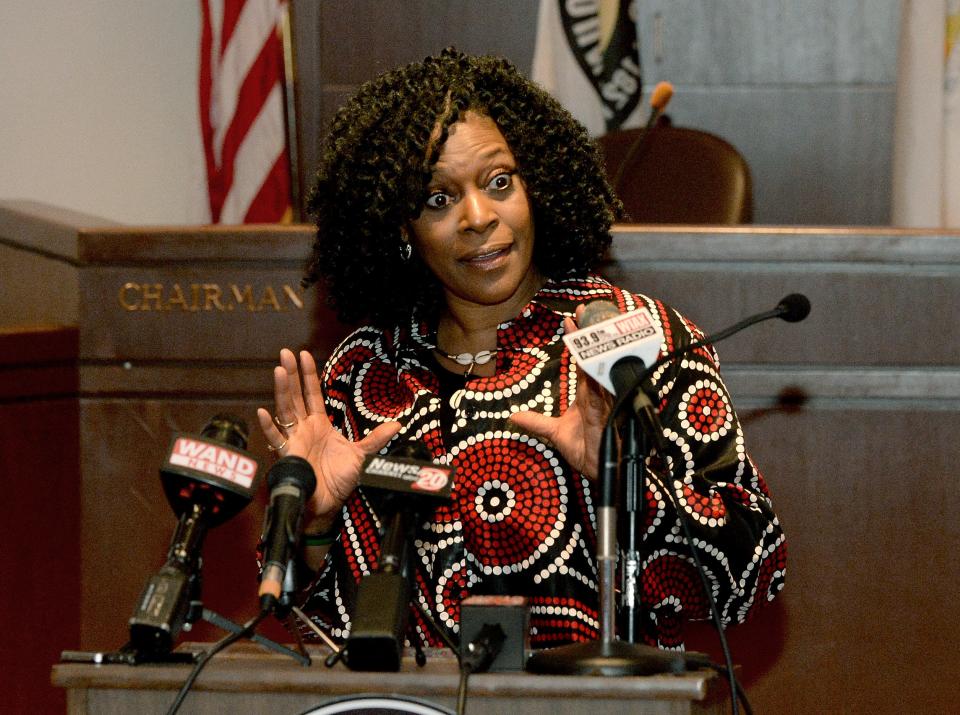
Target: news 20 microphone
pixel 291 482
pixel 207 480
pixel 408 484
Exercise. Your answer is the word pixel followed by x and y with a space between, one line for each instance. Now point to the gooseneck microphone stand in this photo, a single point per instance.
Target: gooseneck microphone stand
pixel 608 656
pixel 632 490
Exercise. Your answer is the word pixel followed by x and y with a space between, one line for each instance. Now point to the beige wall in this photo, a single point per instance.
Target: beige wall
pixel 98 107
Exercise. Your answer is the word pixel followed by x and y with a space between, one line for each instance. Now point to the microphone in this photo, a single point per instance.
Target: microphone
pixel 659 98
pixel 408 483
pixel 619 350
pixel 291 482
pixel 792 308
pixel 207 480
pixel 213 469
pixel 408 469
pixel 614 348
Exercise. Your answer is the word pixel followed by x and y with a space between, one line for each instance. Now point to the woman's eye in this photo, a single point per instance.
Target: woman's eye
pixel 501 181
pixel 438 200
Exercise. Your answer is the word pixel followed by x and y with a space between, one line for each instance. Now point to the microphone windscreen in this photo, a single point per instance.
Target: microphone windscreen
pixel 662 94
pixel 794 307
pixel 596 312
pixel 412 450
pixel 228 430
pixel 293 470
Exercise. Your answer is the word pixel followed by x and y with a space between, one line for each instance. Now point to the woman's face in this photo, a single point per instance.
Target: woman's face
pixel 475 232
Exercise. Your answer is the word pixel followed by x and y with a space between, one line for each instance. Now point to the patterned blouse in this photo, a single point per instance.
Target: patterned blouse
pixel 521 520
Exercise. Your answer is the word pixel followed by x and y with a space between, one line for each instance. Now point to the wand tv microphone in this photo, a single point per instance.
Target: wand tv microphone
pixel 291 482
pixel 213 469
pixel 207 480
pixel 408 484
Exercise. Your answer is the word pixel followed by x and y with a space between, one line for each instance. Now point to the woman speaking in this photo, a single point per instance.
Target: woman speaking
pixel 460 210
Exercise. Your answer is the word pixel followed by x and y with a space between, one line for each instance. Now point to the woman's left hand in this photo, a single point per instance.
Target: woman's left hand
pixel 577 432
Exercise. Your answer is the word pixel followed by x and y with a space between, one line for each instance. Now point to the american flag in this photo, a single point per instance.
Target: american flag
pixel 242 111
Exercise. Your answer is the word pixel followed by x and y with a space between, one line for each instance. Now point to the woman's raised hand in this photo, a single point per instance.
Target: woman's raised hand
pixel 301 428
pixel 577 432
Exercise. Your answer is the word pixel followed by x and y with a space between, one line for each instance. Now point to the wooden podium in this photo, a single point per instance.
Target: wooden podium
pixel 243 680
pixel 852 415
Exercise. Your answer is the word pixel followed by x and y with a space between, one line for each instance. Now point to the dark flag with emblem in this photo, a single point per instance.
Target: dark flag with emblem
pixel 586 56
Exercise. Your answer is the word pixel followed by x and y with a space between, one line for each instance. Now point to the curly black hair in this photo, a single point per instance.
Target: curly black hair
pixel 375 169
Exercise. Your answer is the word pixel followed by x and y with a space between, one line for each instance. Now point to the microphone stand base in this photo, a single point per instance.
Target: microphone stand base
pixel 608 658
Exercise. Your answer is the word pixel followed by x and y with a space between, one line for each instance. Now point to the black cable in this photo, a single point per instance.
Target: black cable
pixel 444 636
pixel 225 642
pixel 478 656
pixel 462 691
pixel 714 611
pixel 740 692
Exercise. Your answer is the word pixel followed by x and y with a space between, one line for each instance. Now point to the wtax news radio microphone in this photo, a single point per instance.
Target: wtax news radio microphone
pixel 207 479
pixel 620 350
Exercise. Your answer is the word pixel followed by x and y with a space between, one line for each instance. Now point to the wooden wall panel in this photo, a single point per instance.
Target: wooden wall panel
pixel 852 415
pixel 874 293
pixel 770 42
pixel 345 44
pixel 40 480
pixel 831 165
pixel 867 498
pixel 805 90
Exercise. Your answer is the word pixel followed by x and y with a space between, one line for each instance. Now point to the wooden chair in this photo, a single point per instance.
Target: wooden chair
pixel 678 175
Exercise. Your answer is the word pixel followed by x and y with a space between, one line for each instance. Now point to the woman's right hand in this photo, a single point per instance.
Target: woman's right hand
pixel 336 461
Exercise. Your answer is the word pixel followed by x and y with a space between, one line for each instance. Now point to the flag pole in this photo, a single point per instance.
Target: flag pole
pixel 290 109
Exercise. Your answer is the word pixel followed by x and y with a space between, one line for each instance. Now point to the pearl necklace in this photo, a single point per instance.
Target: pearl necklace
pixel 469 360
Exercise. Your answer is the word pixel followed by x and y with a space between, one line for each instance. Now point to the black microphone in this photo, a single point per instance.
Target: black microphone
pixel 659 99
pixel 792 308
pixel 408 484
pixel 631 337
pixel 207 480
pixel 625 337
pixel 291 482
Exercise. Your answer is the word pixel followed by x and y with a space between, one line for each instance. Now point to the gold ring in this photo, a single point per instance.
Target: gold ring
pixel 277 448
pixel 284 425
